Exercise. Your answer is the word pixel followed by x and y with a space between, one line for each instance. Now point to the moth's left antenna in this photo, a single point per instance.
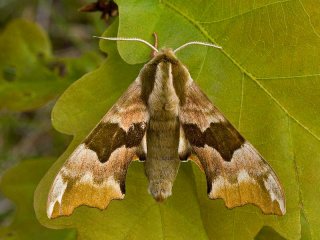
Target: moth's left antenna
pixel 129 39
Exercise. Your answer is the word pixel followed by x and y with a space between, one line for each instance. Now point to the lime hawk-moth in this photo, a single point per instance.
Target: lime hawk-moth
pixel 162 119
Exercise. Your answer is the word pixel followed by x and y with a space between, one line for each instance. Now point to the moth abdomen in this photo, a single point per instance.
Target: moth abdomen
pixel 163 133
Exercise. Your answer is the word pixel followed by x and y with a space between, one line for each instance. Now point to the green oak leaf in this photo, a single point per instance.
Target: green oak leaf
pixel 265 80
pixel 18 184
pixel 25 79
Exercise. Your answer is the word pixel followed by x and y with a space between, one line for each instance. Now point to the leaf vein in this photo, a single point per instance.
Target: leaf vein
pixel 308 15
pixel 244 13
pixel 295 165
pixel 286 77
pixel 139 217
pixel 241 101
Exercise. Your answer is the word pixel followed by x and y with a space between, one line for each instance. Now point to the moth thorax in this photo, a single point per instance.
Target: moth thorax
pixel 163 98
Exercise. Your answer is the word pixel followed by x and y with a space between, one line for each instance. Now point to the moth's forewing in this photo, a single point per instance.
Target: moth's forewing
pixel 95 172
pixel 234 169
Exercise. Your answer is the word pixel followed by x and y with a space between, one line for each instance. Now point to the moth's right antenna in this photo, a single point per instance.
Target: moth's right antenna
pixel 129 39
pixel 196 43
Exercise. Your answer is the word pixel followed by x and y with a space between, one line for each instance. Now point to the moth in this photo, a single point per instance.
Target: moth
pixel 164 118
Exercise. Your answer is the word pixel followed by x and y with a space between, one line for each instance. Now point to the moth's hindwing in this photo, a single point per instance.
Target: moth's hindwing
pixel 235 171
pixel 95 172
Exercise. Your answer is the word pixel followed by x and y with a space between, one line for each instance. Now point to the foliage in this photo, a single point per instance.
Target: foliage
pixel 28 67
pixel 25 48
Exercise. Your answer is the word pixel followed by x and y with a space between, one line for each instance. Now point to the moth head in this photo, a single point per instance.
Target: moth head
pixel 165 55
